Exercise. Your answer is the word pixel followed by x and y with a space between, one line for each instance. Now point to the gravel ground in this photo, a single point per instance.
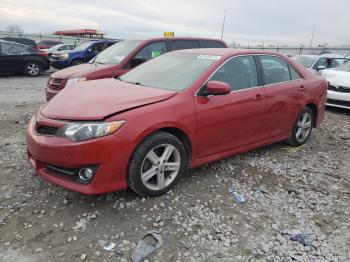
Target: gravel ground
pixel 288 192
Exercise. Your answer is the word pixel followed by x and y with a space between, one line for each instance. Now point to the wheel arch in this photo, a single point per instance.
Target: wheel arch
pixel 177 131
pixel 313 107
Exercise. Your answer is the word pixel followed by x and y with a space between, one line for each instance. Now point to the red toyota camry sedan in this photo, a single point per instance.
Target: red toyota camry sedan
pixel 179 110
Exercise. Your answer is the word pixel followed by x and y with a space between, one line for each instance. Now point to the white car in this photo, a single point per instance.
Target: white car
pixel 338 94
pixel 316 63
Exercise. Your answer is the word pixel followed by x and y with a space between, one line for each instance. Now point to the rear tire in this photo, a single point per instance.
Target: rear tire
pixel 156 165
pixel 76 62
pixel 302 128
pixel 32 69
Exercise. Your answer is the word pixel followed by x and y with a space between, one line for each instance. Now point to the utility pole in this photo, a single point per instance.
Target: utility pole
pixel 312 35
pixel 223 25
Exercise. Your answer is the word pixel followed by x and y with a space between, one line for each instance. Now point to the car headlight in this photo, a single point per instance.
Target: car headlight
pixel 64 56
pixel 88 130
pixel 75 80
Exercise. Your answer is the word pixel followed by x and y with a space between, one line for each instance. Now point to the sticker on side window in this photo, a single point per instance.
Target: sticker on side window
pixel 155 54
pixel 209 57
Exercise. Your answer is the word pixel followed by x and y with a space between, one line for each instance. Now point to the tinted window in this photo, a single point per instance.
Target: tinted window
pixel 99 47
pixel 294 74
pixel 321 62
pixel 212 44
pixel 239 72
pixel 15 49
pixel 183 44
pixel 275 70
pixel 152 50
pixel 336 62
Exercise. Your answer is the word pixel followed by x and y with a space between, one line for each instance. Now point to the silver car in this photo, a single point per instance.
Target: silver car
pixel 316 63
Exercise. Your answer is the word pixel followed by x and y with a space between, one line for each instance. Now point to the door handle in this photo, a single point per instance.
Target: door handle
pixel 301 88
pixel 258 97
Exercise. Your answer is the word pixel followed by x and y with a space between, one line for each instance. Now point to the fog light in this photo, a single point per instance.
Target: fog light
pixel 85 174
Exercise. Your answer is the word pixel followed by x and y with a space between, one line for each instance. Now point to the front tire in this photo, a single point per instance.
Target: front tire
pixel 32 69
pixel 156 165
pixel 302 128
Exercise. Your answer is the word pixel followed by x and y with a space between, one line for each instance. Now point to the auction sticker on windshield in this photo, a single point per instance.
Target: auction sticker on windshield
pixel 209 57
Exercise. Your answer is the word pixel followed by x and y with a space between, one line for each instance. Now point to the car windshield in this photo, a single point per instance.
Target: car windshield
pixel 117 52
pixel 345 67
pixel 172 71
pixel 83 46
pixel 306 61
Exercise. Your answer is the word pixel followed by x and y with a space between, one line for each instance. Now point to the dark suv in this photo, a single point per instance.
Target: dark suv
pixel 82 53
pixel 121 57
pixel 18 58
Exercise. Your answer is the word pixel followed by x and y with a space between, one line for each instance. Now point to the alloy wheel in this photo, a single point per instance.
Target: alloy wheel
pixel 160 167
pixel 303 127
pixel 33 69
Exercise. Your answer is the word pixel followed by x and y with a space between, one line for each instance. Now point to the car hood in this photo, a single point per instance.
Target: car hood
pixel 98 99
pixel 63 52
pixel 340 79
pixel 79 70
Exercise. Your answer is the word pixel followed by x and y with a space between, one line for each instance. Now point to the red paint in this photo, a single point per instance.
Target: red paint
pixel 217 126
pixel 97 71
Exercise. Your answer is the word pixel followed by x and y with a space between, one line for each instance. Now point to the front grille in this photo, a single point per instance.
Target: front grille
pixel 338 102
pixel 46 130
pixel 54 83
pixel 340 89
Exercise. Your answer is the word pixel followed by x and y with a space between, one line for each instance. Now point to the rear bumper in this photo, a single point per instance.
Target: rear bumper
pixel 110 154
pixel 338 99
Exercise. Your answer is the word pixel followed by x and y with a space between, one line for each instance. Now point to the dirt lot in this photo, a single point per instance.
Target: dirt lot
pixel 287 192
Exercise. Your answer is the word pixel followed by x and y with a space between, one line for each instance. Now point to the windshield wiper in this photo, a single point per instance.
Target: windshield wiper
pixel 129 82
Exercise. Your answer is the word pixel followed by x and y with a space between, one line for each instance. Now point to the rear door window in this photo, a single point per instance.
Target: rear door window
pixel 212 44
pixel 183 44
pixel 275 70
pixel 294 74
pixel 239 72
pixel 15 49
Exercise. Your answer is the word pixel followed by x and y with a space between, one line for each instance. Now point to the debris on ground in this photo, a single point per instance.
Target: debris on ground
pixel 149 243
pixel 239 198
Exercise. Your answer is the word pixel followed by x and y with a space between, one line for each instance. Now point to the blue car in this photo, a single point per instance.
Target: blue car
pixel 83 53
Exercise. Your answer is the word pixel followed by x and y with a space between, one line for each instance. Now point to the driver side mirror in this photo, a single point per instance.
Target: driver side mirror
pixel 137 61
pixel 217 88
pixel 321 67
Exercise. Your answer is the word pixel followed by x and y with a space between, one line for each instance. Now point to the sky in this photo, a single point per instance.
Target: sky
pixel 247 21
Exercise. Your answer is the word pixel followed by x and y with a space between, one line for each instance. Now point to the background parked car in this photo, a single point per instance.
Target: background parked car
pixel 121 57
pixel 46 44
pixel 338 94
pixel 21 40
pixel 315 63
pixel 80 54
pixel 18 58
pixel 60 47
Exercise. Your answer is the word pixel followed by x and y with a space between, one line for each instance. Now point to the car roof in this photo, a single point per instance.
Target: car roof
pixel 226 51
pixel 177 38
pixel 330 55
